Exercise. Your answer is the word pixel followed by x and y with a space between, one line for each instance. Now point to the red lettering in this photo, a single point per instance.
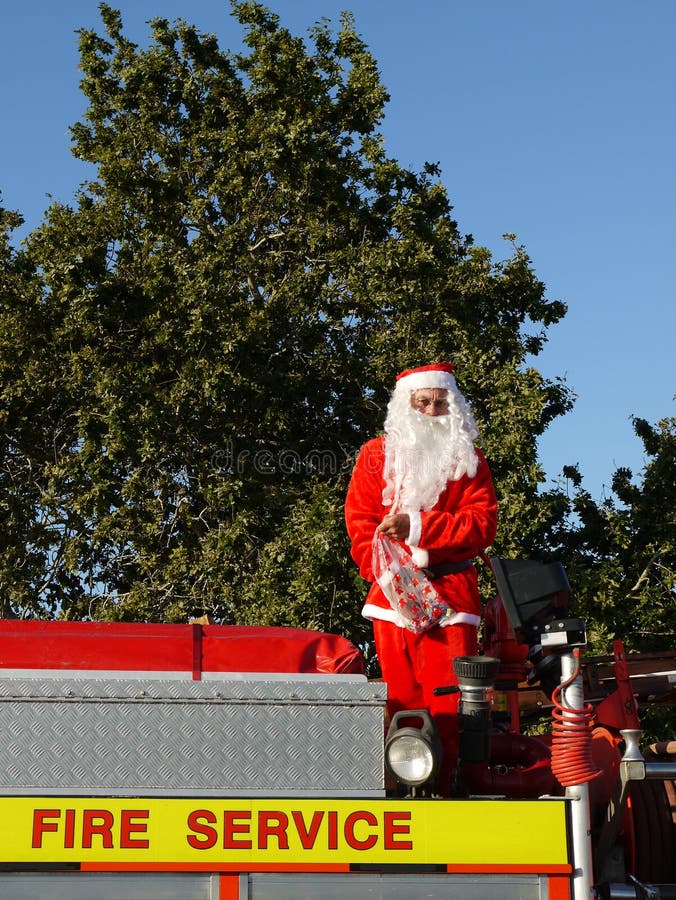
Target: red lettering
pixel 333 830
pixel 273 823
pixel 209 834
pixel 307 837
pixel 97 822
pixel 129 826
pixel 40 825
pixel 69 828
pixel 232 827
pixel 94 823
pixel 392 830
pixel 350 836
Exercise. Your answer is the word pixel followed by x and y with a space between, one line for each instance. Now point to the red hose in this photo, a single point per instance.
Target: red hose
pixel 572 761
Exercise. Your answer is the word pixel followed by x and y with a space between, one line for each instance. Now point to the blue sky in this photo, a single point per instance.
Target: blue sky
pixel 552 120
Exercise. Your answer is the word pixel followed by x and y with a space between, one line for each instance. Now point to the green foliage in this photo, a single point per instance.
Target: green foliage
pixel 621 554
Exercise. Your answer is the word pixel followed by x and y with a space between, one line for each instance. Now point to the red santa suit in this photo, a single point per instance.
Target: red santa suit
pixel 454 531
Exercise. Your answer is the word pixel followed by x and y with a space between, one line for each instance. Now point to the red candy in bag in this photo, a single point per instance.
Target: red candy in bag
pixel 409 592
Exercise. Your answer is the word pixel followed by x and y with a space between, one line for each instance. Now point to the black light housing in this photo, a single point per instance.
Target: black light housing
pixel 533 593
pixel 412 753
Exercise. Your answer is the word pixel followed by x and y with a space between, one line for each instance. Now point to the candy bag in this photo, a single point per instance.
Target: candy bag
pixel 408 590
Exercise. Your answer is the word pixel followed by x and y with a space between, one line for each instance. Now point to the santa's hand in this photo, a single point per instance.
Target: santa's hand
pixel 396 526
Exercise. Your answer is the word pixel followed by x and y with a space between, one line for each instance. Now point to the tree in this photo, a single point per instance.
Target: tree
pixel 30 546
pixel 206 337
pixel 621 554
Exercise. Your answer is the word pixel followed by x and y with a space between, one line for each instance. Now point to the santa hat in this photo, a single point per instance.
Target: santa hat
pixel 438 375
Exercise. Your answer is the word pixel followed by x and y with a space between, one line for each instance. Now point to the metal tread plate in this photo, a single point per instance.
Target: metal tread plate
pixel 229 738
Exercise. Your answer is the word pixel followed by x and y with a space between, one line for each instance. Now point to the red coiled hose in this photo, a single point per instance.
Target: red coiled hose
pixel 572 761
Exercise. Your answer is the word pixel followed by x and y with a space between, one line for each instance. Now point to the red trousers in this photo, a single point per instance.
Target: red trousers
pixel 413 665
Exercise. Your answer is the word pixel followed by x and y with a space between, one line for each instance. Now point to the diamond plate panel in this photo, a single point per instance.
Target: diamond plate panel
pixel 226 738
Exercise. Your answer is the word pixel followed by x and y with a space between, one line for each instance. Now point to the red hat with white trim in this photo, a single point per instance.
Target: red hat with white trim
pixel 438 375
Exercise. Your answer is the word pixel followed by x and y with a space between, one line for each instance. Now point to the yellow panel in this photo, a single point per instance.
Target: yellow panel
pixel 271 831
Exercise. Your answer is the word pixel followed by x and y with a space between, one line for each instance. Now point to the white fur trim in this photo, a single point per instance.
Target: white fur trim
pixel 414 528
pixel 430 379
pixel 371 611
pixel 459 618
pixel 387 614
pixel 420 557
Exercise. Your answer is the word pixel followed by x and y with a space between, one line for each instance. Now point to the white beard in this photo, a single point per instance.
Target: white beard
pixel 423 453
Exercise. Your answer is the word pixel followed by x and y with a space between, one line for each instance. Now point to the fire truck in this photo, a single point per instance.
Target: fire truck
pixel 226 762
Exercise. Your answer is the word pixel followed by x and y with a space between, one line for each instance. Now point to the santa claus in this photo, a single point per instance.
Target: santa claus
pixel 426 486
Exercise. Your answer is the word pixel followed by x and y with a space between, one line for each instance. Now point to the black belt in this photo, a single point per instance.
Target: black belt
pixel 447 568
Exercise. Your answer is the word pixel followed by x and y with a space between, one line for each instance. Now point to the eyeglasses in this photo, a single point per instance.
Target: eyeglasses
pixel 427 403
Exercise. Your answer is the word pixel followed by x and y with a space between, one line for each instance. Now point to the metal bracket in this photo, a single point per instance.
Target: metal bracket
pixel 645 891
pixel 632 768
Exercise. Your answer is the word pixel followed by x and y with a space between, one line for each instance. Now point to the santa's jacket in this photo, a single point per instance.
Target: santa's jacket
pixel 457 528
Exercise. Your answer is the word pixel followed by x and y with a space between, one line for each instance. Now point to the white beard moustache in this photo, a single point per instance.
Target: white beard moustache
pixel 423 453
